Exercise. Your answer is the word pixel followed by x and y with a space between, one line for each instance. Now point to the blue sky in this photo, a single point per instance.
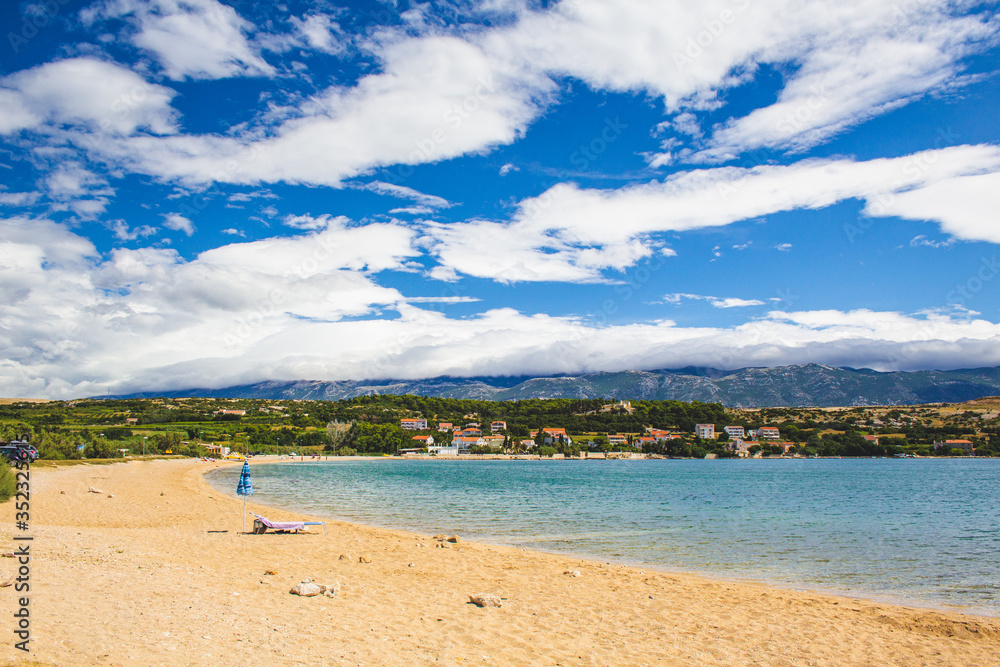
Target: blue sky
pixel 199 193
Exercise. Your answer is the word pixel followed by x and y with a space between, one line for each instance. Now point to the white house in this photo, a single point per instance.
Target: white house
pixel 413 424
pixel 425 440
pixel 734 432
pixel 705 431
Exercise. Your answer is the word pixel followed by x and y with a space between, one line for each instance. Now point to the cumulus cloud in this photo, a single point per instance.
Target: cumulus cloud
pixel 104 97
pixel 72 316
pixel 198 39
pixel 122 232
pixel 320 32
pixel 178 223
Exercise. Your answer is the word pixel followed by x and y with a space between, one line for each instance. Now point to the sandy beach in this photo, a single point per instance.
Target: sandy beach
pixel 155 570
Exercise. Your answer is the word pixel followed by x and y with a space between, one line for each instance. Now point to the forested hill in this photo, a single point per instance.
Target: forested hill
pixel 810 385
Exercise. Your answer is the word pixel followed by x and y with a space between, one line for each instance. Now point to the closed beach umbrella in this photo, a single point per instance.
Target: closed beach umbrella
pixel 245 488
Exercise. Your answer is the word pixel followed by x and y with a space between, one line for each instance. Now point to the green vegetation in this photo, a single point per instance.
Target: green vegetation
pixel 8 483
pixel 369 425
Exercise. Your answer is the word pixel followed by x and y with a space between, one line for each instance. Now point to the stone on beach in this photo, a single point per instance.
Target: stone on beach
pixel 572 573
pixel 454 539
pixel 305 590
pixel 330 590
pixel 364 559
pixel 485 600
pixel 93 490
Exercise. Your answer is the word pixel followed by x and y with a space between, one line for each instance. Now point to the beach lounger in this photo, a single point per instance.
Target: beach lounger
pixel 261 524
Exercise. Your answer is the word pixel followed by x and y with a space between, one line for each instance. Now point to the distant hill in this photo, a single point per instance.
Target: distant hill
pixel 810 385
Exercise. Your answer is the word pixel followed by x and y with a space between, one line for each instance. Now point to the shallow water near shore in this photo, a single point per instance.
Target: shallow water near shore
pixel 921 532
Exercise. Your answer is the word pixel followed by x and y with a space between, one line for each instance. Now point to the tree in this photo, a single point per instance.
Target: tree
pixel 336 432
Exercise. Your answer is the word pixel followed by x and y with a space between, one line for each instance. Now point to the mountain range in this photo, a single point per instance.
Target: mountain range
pixel 809 385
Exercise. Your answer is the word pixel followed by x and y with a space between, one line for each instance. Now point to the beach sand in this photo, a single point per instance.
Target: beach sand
pixel 143 579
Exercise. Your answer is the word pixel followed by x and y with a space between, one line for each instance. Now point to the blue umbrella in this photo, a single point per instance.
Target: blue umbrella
pixel 245 488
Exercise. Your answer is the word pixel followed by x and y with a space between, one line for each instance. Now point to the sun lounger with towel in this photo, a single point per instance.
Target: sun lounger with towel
pixel 261 524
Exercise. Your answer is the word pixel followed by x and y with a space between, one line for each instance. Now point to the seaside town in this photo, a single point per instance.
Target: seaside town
pixel 414 426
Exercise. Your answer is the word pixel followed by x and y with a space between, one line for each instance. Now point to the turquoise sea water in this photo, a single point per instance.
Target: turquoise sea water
pixel 920 532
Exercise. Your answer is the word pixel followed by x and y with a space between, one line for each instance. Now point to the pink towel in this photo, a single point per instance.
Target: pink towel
pixel 280 525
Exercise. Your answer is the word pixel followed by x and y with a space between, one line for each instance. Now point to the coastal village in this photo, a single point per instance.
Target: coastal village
pixel 420 426
pixel 738 441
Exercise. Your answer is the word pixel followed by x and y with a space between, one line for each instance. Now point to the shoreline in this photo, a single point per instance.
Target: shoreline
pixel 636 563
pixel 144 577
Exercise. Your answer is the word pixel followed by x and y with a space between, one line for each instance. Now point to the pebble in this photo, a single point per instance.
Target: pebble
pixel 343 557
pixel 93 490
pixel 454 539
pixel 305 590
pixel 364 559
pixel 485 600
pixel 572 573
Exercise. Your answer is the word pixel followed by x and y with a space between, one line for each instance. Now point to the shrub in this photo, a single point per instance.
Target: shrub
pixel 8 482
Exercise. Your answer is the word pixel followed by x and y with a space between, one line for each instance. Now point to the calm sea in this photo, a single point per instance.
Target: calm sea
pixel 920 532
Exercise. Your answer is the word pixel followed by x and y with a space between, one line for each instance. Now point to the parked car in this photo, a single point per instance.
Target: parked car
pixel 18 450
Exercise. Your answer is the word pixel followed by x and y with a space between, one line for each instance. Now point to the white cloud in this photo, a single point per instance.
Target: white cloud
pixel 70 186
pixel 851 75
pixel 436 98
pixel 784 247
pixel 123 233
pixel 447 92
pixel 178 223
pixel 198 39
pixel 412 210
pixel 922 240
pixel 507 168
pixel 717 302
pixel 966 206
pixel 308 221
pixel 73 319
pixel 107 98
pixel 146 319
pixel 321 32
pixel 564 234
pixel 403 192
pixel 18 198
